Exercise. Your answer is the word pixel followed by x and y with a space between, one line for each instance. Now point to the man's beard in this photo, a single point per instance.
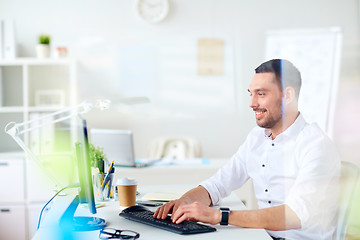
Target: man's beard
pixel 271 120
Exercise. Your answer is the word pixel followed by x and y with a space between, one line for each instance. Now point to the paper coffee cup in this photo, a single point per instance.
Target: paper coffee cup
pixel 127 191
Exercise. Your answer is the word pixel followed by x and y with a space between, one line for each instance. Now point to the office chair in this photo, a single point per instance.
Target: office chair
pixel 175 147
pixel 349 185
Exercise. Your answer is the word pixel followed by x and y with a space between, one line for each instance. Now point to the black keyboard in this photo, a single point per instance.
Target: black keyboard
pixel 144 215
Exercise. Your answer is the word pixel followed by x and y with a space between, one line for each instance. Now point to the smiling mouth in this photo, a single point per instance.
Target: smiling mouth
pixel 259 113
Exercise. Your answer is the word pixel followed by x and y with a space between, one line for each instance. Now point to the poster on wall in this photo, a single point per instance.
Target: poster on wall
pixel 210 56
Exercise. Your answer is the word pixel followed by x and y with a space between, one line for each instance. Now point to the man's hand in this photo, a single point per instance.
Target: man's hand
pixel 196 212
pixel 170 207
pixel 198 194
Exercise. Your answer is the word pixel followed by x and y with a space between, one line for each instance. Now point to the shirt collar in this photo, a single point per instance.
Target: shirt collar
pixel 293 130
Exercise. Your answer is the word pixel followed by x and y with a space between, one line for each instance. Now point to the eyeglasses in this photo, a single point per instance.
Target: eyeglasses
pixel 111 233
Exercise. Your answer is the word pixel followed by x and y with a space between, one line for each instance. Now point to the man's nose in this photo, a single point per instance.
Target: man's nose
pixel 253 102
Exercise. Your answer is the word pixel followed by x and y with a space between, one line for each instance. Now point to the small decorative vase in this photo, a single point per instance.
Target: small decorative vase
pixel 43 50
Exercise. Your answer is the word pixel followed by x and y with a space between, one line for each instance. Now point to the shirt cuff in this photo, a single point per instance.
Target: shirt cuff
pixel 210 189
pixel 300 210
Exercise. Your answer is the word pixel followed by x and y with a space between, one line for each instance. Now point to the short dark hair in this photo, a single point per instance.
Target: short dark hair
pixel 285 72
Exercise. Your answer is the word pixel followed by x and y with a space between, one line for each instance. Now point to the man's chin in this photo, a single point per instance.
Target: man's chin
pixel 262 124
pixel 259 123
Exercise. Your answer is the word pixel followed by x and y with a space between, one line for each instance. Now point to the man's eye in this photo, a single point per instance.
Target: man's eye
pixel 261 94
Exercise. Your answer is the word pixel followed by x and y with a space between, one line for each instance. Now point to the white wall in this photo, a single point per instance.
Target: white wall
pixel 79 24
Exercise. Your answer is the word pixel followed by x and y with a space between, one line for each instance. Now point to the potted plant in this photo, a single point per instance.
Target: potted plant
pixel 43 47
pixel 97 157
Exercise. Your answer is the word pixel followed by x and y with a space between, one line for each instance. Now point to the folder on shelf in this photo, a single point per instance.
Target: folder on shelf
pixel 1 43
pixel 35 135
pixel 47 135
pixel 1 91
pixel 9 43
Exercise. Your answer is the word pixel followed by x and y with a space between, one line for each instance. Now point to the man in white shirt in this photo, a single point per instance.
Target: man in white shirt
pixel 293 165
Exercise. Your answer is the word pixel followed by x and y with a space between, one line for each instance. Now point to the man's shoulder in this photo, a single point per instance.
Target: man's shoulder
pixel 313 131
pixel 313 137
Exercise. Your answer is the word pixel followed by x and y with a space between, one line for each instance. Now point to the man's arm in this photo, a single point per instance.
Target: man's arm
pixel 198 194
pixel 272 218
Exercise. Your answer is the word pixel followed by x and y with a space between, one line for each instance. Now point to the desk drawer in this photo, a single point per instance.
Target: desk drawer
pixel 12 180
pixel 12 222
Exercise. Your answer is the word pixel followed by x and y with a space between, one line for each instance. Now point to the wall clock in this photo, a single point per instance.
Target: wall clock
pixel 152 11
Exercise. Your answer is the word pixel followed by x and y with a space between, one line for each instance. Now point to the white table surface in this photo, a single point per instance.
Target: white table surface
pixel 110 212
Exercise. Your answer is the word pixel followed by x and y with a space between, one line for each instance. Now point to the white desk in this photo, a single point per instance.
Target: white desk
pixel 111 214
pixel 191 174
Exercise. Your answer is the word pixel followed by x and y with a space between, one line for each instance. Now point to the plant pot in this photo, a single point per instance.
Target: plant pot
pixel 43 50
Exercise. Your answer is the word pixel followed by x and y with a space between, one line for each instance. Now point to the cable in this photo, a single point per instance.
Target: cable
pixel 69 186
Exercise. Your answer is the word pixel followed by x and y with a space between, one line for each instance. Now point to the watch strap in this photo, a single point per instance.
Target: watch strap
pixel 224 216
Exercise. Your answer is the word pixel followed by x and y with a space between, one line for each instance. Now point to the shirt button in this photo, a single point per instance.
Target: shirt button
pixel 263 165
pixel 273 144
pixel 269 202
pixel 266 190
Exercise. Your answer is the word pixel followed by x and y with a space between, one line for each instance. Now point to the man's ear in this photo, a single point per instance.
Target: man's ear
pixel 289 94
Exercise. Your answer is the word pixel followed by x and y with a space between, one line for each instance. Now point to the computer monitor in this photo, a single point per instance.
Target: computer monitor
pixel 117 144
pixel 69 222
pixel 86 193
pixel 52 139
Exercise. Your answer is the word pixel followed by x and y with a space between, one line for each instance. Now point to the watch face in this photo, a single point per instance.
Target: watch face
pixel 152 10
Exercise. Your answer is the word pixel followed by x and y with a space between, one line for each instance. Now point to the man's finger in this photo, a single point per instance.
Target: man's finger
pixel 166 209
pixel 179 213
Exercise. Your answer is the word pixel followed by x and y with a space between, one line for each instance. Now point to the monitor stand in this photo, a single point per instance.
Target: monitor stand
pixel 79 223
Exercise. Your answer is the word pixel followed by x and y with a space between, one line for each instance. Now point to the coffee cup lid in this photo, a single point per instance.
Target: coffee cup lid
pixel 126 181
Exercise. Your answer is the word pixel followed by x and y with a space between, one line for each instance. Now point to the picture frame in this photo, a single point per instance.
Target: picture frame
pixel 50 98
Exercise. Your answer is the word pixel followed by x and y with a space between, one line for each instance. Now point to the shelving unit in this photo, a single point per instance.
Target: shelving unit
pixel 21 82
pixel 29 87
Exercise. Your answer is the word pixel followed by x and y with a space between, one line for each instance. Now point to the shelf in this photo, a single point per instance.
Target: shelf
pixel 45 109
pixel 29 109
pixel 12 203
pixel 35 61
pixel 15 154
pixel 12 109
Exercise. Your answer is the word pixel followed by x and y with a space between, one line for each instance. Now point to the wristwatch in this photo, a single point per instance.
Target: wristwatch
pixel 224 216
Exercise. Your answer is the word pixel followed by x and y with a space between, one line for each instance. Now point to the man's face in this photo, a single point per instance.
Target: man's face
pixel 266 101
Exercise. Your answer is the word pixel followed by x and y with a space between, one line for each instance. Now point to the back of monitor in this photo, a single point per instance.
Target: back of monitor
pixel 117 145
